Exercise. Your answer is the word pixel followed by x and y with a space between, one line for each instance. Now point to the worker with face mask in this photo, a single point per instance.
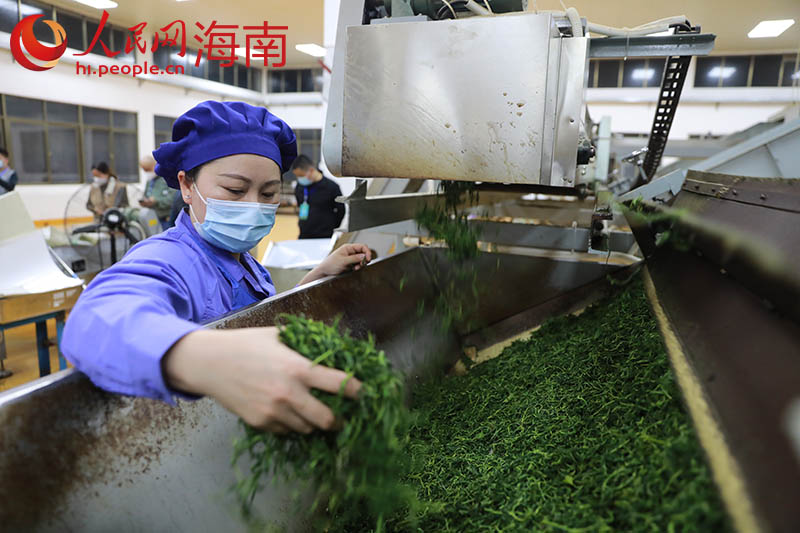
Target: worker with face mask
pixel 136 328
pixel 107 191
pixel 318 211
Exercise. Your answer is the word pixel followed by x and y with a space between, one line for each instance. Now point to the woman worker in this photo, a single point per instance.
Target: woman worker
pixel 136 328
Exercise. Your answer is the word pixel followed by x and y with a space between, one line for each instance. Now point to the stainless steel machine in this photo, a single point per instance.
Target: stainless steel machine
pixel 427 90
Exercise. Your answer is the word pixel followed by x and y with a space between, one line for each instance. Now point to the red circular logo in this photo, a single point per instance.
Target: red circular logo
pixel 23 40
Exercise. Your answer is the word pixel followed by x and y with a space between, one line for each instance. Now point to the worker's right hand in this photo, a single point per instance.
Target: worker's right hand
pixel 254 375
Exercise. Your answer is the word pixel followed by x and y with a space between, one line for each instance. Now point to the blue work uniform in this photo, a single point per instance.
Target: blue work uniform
pixel 131 314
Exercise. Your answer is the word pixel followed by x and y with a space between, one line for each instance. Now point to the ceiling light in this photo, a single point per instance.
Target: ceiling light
pixel 311 49
pixel 241 52
pixel 643 73
pixel 770 28
pixel 721 72
pixel 98 4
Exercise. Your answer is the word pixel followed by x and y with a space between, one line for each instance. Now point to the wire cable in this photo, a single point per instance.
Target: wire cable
pixel 449 6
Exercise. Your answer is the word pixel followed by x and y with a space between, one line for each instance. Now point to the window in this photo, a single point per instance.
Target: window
pixel 96 117
pixel 293 81
pixel 41 30
pixel 120 39
pixel 27 144
pixel 656 64
pixel 736 71
pixel 214 71
pixel 766 70
pixel 227 74
pixel 255 79
pixel 791 71
pixel 163 129
pixel 237 75
pixel 198 71
pixel 62 113
pixel 110 136
pixel 746 71
pixel 73 25
pixel 96 147
pixel 241 76
pixel 124 120
pixel 310 80
pixel 275 82
pixel 24 107
pixel 309 143
pixel 80 32
pixel 64 154
pixel 53 142
pixel 608 73
pixel 635 73
pixel 105 37
pixel 708 72
pixel 125 155
pixel 8 15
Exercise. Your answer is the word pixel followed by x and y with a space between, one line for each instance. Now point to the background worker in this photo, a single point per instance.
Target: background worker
pixel 319 213
pixel 157 194
pixel 107 191
pixel 8 177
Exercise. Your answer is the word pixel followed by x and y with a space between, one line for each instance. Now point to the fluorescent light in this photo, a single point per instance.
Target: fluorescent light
pixel 643 73
pixel 242 52
pixel 98 4
pixel 770 28
pixel 311 49
pixel 721 72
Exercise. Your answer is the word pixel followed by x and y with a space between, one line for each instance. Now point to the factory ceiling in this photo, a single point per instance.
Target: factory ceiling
pixel 730 20
pixel 304 18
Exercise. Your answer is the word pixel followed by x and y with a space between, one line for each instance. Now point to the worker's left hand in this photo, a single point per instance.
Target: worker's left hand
pixel 346 257
pixel 147 202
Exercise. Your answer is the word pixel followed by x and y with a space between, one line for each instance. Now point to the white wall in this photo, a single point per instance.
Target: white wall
pixel 146 97
pixel 701 110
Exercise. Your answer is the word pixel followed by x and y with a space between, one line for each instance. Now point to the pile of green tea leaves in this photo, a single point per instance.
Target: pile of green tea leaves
pixel 355 472
pixel 578 428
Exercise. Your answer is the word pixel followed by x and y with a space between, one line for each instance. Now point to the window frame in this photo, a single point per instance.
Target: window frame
pixel 81 128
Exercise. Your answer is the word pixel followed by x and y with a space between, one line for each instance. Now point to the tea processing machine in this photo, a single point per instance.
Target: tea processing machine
pixel 423 91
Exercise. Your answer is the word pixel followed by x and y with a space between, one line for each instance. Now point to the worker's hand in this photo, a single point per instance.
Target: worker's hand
pixel 147 202
pixel 254 375
pixel 346 257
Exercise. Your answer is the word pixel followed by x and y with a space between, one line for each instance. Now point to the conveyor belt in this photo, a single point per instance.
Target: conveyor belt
pixel 728 307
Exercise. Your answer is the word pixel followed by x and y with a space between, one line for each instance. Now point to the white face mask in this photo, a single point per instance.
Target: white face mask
pixel 235 226
pixel 100 181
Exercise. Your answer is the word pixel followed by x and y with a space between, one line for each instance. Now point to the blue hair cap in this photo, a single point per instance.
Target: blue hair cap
pixel 212 129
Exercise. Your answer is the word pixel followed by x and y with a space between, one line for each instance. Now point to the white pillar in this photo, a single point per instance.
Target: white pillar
pixel 144 114
pixel 330 25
